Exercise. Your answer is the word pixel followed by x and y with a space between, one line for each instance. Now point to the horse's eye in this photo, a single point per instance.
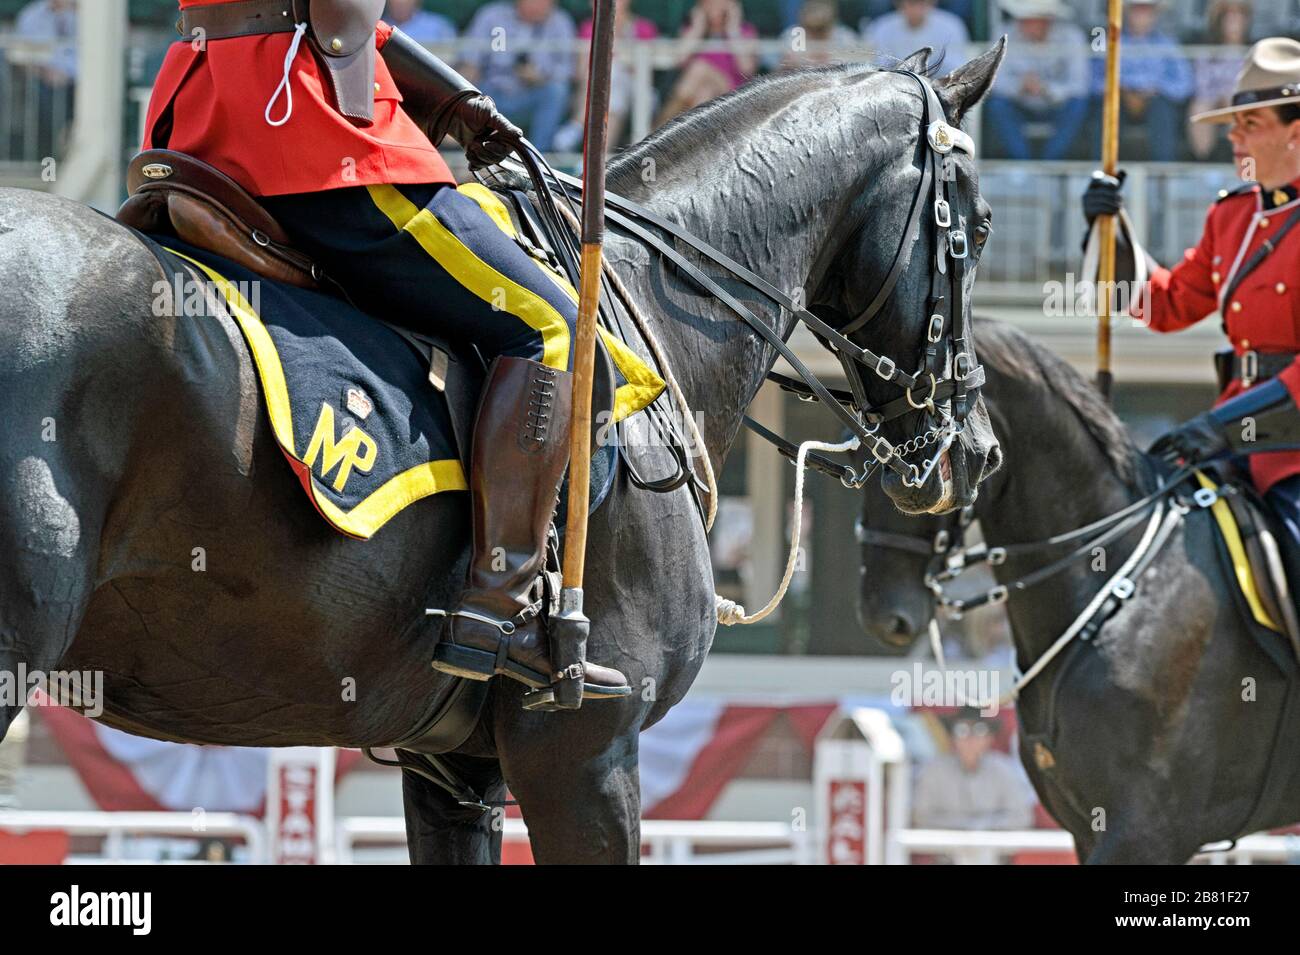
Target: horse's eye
pixel 982 233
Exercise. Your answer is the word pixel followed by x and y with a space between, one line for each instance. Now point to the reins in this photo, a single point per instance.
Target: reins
pixel 954 557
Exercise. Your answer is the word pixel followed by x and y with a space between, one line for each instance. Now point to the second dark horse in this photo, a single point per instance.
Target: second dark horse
pixel 1156 736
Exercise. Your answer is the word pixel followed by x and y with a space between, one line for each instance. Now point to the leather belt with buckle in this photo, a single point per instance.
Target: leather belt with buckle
pixel 1252 366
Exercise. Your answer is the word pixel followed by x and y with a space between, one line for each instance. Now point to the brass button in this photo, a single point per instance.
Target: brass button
pixel 1236 306
pixel 1281 287
pixel 1263 223
pixel 376 87
pixel 1214 277
pixel 1245 344
pixel 336 44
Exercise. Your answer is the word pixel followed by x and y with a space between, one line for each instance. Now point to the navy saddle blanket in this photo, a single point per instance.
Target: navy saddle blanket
pixel 369 420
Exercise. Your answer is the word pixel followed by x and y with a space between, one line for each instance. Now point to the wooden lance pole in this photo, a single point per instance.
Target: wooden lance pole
pixel 570 626
pixel 1106 224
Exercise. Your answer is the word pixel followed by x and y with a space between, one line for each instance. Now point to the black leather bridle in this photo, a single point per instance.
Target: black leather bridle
pixel 948 342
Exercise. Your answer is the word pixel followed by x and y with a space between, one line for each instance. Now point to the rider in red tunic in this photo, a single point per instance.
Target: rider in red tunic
pixel 333 120
pixel 1246 267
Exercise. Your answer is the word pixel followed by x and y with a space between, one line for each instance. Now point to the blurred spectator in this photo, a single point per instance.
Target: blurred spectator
pixel 874 9
pixel 521 55
pixel 818 26
pixel 419 24
pixel 914 24
pixel 50 82
pixel 707 74
pixel 13 759
pixel 1044 79
pixel 1155 80
pixel 974 786
pixel 1216 74
pixel 628 30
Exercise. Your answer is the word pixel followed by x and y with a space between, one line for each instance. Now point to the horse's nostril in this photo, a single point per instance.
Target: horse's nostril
pixel 900 627
pixel 994 460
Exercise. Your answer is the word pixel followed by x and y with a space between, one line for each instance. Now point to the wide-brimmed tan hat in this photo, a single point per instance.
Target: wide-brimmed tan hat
pixel 1270 77
pixel 1024 9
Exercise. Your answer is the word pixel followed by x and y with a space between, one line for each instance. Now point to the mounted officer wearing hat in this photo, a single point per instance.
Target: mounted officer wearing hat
pixel 331 119
pixel 1247 268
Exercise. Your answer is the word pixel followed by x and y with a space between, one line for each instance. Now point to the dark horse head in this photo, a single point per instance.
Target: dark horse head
pixel 828 190
pixel 884 234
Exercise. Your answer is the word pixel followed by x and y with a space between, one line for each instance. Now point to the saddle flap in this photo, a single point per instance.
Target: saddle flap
pixel 1257 558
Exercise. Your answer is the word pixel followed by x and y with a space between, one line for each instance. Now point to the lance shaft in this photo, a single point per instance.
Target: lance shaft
pixel 593 229
pixel 1106 224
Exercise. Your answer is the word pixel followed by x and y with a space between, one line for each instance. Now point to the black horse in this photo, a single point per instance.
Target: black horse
pixel 1154 736
pixel 134 440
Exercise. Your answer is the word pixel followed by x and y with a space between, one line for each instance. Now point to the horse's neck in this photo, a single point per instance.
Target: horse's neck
pixel 1058 479
pixel 775 216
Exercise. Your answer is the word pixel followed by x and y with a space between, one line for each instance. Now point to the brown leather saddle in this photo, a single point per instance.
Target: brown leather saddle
pixel 171 193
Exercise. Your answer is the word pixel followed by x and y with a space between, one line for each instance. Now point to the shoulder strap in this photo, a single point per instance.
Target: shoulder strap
pixel 1260 255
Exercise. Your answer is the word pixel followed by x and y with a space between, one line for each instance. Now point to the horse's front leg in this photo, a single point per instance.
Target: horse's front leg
pixel 440 831
pixel 578 787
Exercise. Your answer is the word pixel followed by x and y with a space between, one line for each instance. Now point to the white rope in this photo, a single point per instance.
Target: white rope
pixel 936 644
pixel 1089 271
pixel 730 612
pixel 298 32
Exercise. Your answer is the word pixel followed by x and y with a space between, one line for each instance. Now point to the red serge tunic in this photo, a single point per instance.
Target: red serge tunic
pixel 1264 313
pixel 218 99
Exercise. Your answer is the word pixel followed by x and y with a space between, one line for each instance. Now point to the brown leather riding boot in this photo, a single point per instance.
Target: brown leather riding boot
pixel 519 454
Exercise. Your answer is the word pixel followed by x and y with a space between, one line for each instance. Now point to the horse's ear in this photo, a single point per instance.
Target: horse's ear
pixel 965 86
pixel 918 62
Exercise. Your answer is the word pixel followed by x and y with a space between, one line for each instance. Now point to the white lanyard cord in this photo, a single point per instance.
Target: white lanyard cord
pixel 299 31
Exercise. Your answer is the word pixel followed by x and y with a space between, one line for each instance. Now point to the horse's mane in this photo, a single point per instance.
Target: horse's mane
pixel 727 116
pixel 1011 352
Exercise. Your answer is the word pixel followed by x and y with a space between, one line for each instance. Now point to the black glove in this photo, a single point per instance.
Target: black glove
pixel 1102 197
pixel 1197 440
pixel 474 121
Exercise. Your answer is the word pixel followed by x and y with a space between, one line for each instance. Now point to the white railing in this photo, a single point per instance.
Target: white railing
pixel 667 842
pixel 115 827
pixel 987 847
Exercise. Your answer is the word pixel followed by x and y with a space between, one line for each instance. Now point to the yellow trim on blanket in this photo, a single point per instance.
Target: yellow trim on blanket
pixel 396 493
pixel 477 276
pixel 378 507
pixel 1237 550
pixel 265 357
pixel 643 385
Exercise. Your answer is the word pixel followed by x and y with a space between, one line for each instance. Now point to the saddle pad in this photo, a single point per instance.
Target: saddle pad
pixel 349 400
pixel 1244 572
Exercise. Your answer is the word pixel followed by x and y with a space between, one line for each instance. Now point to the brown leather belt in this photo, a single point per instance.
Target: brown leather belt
pixel 238 18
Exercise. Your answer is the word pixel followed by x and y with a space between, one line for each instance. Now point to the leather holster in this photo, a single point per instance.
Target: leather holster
pixel 342 35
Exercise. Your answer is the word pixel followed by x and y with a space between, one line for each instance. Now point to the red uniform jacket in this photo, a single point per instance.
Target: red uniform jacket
pixel 219 97
pixel 1264 313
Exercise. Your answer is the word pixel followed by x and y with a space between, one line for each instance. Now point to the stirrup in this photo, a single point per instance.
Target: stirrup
pixel 472 663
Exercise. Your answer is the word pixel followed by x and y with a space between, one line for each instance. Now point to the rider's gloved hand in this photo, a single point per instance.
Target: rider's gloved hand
pixel 1199 439
pixel 1102 197
pixel 474 121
